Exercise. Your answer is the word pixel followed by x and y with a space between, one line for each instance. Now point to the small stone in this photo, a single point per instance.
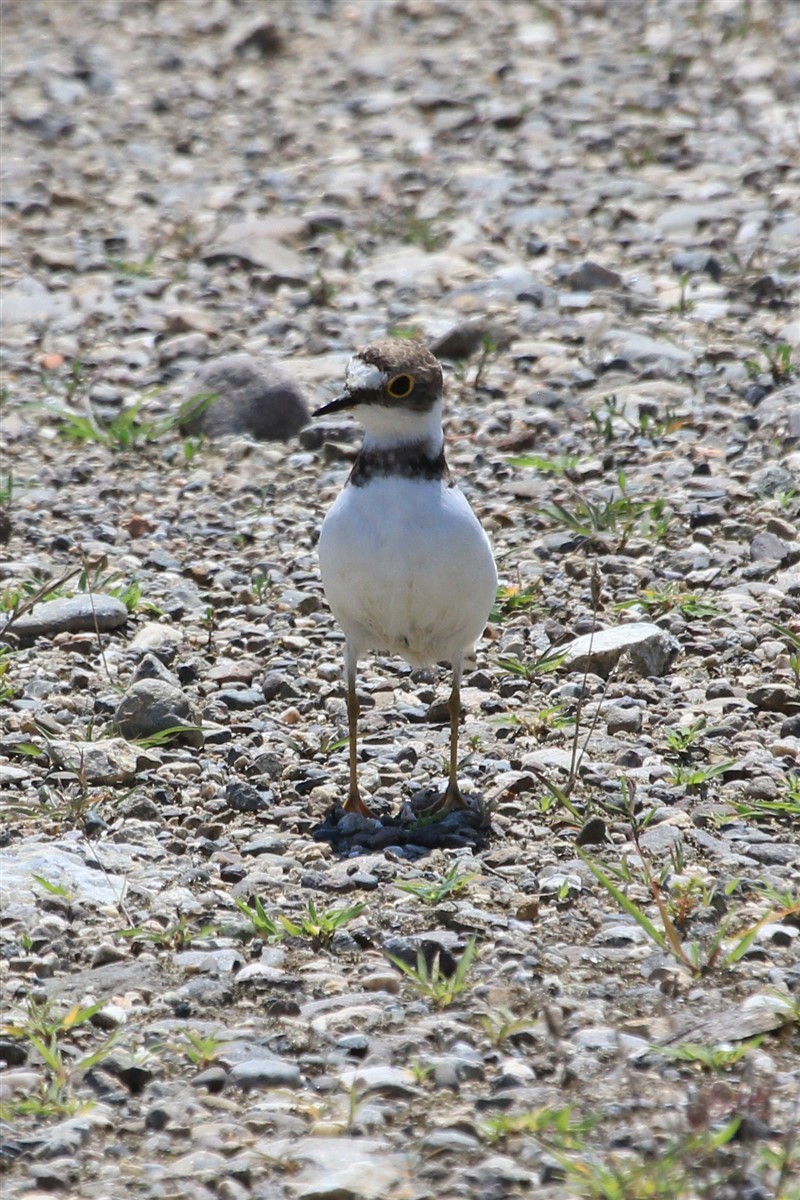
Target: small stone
pixel 152 706
pixel 247 397
pixel 661 840
pixel 255 242
pixel 213 1079
pixel 696 262
pixel 260 1074
pixel 590 276
pixel 158 639
pixel 621 719
pixel 775 697
pixel 767 546
pixel 243 797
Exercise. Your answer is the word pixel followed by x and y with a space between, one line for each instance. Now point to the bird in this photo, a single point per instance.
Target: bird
pixel 406 566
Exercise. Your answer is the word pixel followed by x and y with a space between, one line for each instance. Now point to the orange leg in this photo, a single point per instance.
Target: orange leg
pixel 354 803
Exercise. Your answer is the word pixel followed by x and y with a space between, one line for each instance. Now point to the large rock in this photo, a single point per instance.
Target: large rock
pixel 649 649
pixel 246 397
pixel 72 614
pixel 111 760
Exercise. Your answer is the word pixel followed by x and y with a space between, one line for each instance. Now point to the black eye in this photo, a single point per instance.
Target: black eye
pixel 400 387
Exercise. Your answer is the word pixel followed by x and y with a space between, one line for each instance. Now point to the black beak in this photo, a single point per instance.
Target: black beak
pixel 338 404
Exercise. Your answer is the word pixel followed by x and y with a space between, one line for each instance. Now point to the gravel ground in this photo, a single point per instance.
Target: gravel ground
pixel 215 985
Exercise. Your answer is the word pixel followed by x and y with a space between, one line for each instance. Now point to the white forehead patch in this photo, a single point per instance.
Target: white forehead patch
pixel 364 375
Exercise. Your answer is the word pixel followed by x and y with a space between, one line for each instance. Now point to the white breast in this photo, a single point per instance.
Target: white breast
pixel 407 568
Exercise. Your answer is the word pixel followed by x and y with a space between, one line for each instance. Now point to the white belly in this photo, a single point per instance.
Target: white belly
pixel 407 568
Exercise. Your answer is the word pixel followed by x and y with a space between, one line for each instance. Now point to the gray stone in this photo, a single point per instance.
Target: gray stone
pixel 767 546
pixel 152 706
pixel 775 697
pixel 156 639
pixel 66 1137
pixel 623 719
pixel 150 666
pixel 449 1141
pixel 590 276
pixel 260 1074
pixel 57 865
pixel 28 301
pixel 661 840
pixel 238 394
pixel 382 1078
pixel 71 614
pixel 649 649
pixel 253 241
pixel 341 1168
pixel 111 760
pixel 770 480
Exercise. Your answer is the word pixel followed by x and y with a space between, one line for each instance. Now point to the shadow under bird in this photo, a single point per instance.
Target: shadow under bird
pixel 405 563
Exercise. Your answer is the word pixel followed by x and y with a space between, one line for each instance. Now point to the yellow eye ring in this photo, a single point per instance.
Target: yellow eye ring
pixel 400 386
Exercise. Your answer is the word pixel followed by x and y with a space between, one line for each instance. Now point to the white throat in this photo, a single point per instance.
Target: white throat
pixel 387 427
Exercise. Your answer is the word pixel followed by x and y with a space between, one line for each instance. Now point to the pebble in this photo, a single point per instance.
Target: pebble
pixel 249 396
pixel 152 706
pixel 260 1074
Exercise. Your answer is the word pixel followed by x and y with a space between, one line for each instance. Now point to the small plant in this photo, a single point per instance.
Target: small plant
pixel 178 936
pixel 432 982
pixel 321 927
pixel 420 1071
pixel 321 290
pixel 621 515
pixel 7 489
pixel 712 1058
pixel 129 429
pixel 680 738
pixel 409 333
pixel 426 232
pixel 543 664
pixel 329 743
pixel 777 363
pixel 563 464
pixel 488 350
pixel 8 690
pixel 45 1032
pixel 52 889
pixel 450 884
pixel 263 926
pixel 698 778
pixel 666 597
pixel 783 807
pixel 502 1025
pixel 793 641
pixel 200 1049
pixel 134 270
pixel 684 305
pixel 76 382
pixel 699 960
pixel 553 1126
pixel 669 1177
pixel 164 736
pixel 262 585
pixel 608 418
pixel 511 600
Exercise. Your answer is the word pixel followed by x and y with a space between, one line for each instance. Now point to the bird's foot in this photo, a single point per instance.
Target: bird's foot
pixel 451 801
pixel 354 804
